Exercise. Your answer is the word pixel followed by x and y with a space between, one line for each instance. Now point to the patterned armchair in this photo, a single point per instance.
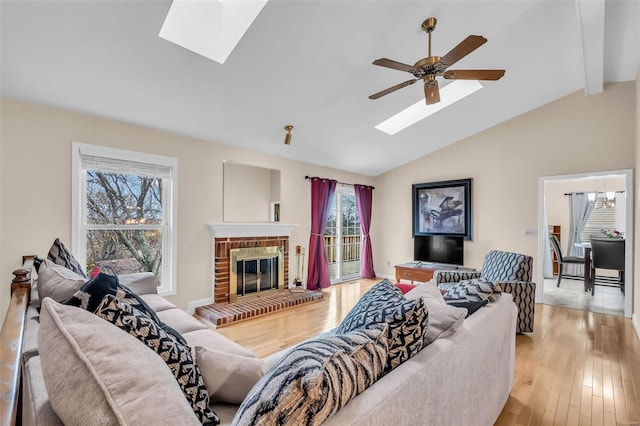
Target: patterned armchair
pixel 513 272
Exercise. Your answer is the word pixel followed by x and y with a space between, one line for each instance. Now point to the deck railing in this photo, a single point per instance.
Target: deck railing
pixel 350 247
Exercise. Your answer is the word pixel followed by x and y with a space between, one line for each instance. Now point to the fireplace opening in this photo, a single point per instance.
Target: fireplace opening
pixel 256 271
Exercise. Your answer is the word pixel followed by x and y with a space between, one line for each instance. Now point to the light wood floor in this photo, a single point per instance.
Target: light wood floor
pixel 577 368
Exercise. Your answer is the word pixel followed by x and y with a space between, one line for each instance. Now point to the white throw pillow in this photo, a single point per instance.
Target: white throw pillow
pixel 57 282
pixel 444 319
pixel 97 374
pixel 429 289
pixel 228 377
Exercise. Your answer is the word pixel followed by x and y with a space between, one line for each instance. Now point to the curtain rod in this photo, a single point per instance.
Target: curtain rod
pixel 341 183
pixel 590 192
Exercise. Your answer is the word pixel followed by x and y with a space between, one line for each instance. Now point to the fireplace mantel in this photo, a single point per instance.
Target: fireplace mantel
pixel 246 229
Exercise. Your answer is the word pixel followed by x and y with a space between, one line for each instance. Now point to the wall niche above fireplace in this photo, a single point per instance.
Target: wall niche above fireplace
pixel 250 193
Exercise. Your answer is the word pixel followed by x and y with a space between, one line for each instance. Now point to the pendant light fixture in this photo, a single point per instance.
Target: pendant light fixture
pixel 287 137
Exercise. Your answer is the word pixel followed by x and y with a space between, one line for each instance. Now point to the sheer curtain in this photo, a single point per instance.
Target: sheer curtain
pixel 580 209
pixel 364 202
pixel 322 191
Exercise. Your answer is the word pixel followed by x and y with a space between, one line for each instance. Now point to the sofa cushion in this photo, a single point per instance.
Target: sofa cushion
pixel 180 321
pixel 316 378
pixel 30 336
pixel 60 255
pixel 214 341
pixel 140 282
pixel 228 377
pixel 407 320
pixel 475 290
pixel 95 373
pixel 177 356
pixel 156 302
pixel 57 282
pixel 36 408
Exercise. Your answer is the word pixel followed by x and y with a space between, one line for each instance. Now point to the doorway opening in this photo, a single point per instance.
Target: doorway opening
pixel 554 218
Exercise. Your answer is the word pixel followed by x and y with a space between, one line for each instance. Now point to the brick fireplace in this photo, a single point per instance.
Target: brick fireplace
pixel 228 236
pixel 231 236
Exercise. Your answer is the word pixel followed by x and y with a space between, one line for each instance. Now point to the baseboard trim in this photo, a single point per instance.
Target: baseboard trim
pixel 191 306
pixel 636 324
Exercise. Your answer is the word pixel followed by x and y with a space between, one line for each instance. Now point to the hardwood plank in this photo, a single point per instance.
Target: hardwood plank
pixel 573 418
pixel 597 412
pixel 621 405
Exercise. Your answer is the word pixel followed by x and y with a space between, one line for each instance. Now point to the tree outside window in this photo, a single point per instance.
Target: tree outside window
pixel 124 222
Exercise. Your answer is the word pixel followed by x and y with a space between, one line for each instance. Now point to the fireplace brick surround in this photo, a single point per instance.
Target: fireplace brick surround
pixel 222 258
pixel 228 236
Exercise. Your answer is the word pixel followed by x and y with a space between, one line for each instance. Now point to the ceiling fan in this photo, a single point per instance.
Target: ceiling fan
pixel 431 67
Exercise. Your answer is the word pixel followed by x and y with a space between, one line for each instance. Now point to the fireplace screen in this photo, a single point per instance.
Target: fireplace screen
pixel 255 271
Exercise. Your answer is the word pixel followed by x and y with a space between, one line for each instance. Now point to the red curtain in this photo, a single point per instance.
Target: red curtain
pixel 364 202
pixel 322 191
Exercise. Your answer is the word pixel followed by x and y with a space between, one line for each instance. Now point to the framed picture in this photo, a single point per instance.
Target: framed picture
pixel 442 208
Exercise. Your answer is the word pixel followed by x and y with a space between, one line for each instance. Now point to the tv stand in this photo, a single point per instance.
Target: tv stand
pixel 423 271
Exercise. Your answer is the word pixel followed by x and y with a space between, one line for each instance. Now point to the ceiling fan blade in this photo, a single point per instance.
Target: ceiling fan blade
pixel 465 47
pixel 389 63
pixel 392 89
pixel 432 93
pixel 473 74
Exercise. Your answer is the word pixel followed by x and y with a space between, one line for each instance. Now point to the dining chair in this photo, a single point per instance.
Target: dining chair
pixel 565 260
pixel 607 253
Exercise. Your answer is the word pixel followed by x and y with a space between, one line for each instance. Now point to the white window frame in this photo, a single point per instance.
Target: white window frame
pixel 170 197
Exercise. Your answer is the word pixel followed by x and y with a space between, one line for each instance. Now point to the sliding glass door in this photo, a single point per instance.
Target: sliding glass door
pixel 342 236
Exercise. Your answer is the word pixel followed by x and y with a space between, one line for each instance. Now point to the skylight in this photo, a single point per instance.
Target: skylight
pixel 450 94
pixel 211 28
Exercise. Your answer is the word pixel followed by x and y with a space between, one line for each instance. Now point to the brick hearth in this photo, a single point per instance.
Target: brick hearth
pixel 221 314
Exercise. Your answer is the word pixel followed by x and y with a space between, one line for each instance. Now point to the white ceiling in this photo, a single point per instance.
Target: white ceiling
pixel 308 63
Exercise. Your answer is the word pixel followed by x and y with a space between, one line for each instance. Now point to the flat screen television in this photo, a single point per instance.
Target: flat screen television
pixel 439 249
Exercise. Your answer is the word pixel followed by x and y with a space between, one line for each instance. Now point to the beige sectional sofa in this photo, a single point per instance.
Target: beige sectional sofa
pixel 461 379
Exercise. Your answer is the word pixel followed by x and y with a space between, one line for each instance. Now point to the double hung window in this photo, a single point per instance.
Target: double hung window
pixel 124 212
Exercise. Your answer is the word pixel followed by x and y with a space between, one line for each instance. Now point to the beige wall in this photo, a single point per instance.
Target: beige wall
pixel 246 193
pixel 572 135
pixel 35 187
pixel 636 275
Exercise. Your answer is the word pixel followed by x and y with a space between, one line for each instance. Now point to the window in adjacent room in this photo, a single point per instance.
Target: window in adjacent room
pixel 342 236
pixel 124 212
pixel 602 217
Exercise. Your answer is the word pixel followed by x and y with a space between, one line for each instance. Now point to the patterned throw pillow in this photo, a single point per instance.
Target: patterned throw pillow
pixel 475 290
pixel 91 294
pixel 407 320
pixel 177 356
pixel 59 254
pixel 315 379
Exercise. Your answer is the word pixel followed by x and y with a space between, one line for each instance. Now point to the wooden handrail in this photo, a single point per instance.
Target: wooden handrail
pixel 11 343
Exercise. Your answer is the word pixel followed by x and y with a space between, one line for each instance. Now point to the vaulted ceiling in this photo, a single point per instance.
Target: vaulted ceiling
pixel 308 63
